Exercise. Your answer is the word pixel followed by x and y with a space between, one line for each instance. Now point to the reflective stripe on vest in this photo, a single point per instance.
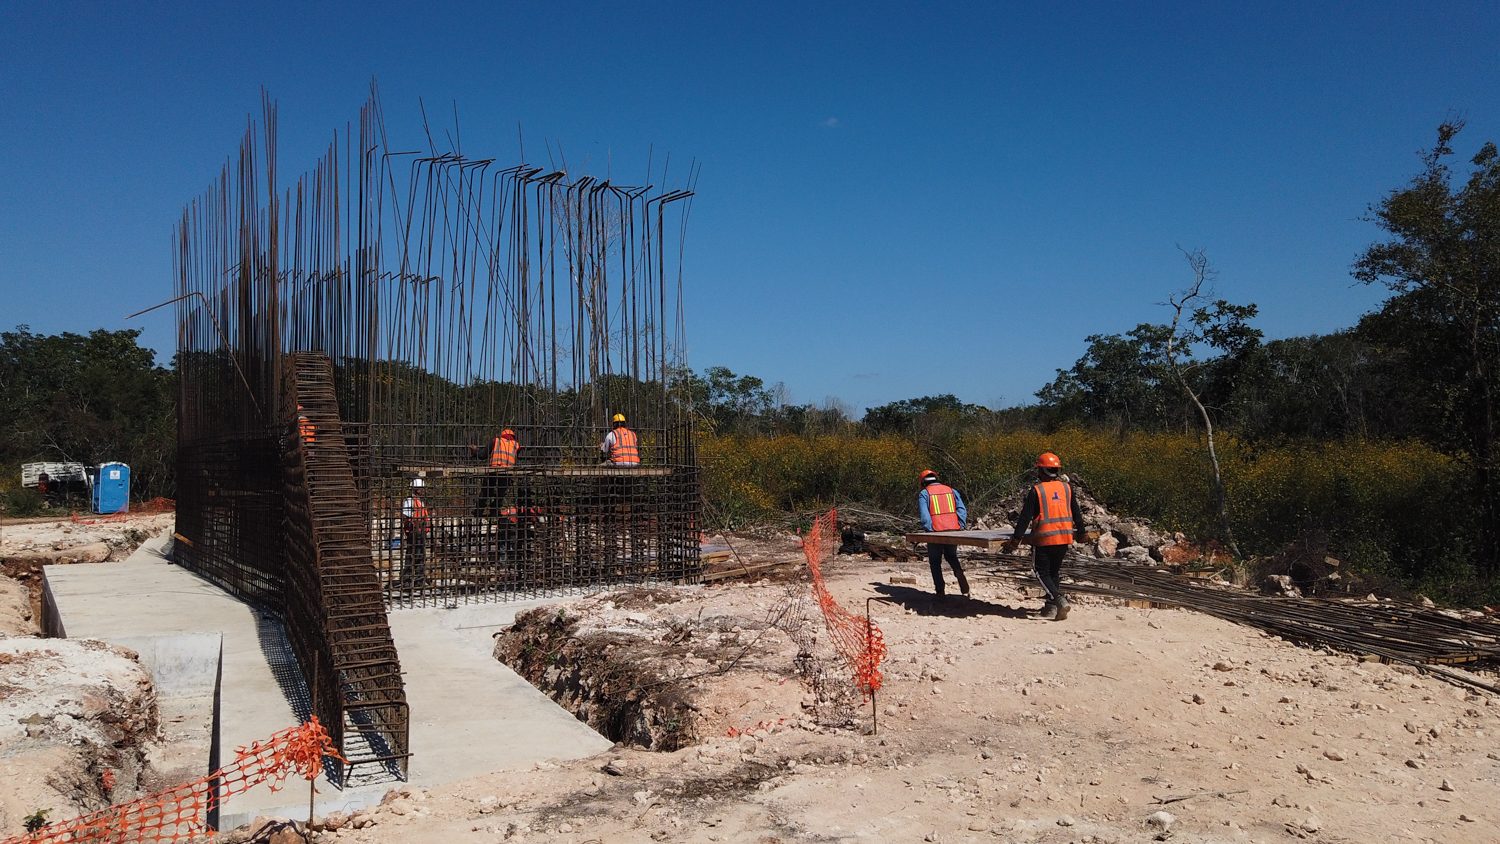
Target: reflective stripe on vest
pixel 504 452
pixel 418 517
pixel 942 506
pixel 1054 521
pixel 625 449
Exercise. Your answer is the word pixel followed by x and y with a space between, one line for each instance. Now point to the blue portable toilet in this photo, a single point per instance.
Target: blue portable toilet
pixel 111 492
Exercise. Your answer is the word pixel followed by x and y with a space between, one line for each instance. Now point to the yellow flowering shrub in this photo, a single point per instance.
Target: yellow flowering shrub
pixel 1395 507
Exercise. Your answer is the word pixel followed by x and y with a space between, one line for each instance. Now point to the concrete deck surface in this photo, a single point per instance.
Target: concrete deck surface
pixel 470 714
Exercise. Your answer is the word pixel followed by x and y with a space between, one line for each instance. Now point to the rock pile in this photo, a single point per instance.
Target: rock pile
pixel 1121 538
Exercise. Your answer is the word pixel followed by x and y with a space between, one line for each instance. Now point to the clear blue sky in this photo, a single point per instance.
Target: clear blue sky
pixel 895 200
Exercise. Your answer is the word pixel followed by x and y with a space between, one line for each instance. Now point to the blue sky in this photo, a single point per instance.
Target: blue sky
pixel 896 200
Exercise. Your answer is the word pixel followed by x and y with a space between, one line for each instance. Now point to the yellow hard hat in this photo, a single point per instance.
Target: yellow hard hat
pixel 619 417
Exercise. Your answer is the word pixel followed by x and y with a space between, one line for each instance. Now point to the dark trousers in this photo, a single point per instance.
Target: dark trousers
pixel 493 491
pixel 936 553
pixel 1046 561
pixel 414 552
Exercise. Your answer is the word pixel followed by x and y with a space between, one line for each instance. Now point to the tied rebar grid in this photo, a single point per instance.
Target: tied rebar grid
pixel 408 306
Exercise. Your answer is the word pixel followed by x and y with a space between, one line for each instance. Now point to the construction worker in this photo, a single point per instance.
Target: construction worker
pixel 1050 512
pixel 503 450
pixel 620 445
pixel 416 525
pixel 942 508
pixel 304 427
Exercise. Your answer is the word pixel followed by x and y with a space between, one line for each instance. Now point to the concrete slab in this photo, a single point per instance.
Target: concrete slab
pixel 147 598
pixel 470 714
pixel 185 671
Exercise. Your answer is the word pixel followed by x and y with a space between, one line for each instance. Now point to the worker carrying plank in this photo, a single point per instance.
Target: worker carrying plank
pixel 620 446
pixel 942 508
pixel 1050 512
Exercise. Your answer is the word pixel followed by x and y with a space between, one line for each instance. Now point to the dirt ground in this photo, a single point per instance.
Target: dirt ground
pixel 998 726
pixel 78 718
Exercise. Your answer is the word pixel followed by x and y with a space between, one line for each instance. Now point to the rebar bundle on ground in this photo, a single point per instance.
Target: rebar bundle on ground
pixel 1425 638
pixel 381 320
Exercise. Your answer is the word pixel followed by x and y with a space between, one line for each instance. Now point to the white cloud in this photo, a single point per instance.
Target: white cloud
pixel 831 123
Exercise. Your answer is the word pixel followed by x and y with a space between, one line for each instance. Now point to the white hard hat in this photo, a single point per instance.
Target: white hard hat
pixel 418 482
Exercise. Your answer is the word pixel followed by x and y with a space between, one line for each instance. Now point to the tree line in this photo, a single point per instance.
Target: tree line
pixel 86 398
pixel 1422 367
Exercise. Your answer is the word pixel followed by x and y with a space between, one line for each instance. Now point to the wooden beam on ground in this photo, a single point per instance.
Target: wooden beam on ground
pixel 710 577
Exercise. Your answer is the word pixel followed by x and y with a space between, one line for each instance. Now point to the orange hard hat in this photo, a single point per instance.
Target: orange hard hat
pixel 508 434
pixel 926 473
pixel 1048 460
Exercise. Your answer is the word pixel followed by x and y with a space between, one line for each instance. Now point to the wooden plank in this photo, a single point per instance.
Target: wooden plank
pixel 539 471
pixel 973 538
pixel 710 577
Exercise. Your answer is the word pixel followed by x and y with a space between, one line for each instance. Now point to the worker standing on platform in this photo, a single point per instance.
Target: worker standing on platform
pixel 1050 511
pixel 620 446
pixel 942 508
pixel 496 486
pixel 416 525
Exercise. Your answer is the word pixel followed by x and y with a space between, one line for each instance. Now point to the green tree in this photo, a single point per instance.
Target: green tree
pixel 90 399
pixel 1121 381
pixel 1442 264
pixel 901 417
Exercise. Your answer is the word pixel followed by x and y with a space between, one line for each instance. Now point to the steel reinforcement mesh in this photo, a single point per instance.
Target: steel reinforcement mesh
pixel 560 519
pixel 415 304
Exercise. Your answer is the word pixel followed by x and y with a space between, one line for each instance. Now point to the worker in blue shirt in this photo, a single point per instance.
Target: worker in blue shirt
pixel 942 508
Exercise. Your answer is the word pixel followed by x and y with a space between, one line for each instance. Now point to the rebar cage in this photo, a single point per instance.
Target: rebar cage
pixel 382 320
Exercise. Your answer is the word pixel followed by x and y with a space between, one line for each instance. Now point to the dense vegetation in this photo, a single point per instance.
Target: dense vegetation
pixel 1377 442
pixel 86 399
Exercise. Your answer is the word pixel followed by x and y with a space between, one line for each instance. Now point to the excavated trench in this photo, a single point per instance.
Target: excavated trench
pixel 617 683
pixel 642 669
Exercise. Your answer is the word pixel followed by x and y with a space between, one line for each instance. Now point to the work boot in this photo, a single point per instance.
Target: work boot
pixel 963 584
pixel 1062 609
pixel 1049 611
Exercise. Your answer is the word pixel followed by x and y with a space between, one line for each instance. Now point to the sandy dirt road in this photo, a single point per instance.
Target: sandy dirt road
pixel 997 726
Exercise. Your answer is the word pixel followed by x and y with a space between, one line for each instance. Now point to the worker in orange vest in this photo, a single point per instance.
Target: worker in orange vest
pixel 416 526
pixel 942 508
pixel 503 452
pixel 620 445
pixel 304 427
pixel 1050 511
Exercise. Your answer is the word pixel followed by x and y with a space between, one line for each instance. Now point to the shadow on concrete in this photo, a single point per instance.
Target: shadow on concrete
pixel 953 606
pixel 361 739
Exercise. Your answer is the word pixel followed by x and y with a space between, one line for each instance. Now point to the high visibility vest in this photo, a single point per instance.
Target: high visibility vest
pixel 1054 521
pixel 942 506
pixel 418 518
pixel 504 452
pixel 625 450
pixel 305 428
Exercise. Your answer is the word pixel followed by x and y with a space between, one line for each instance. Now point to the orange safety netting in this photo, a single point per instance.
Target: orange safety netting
pixel 181 813
pixel 155 505
pixel 857 640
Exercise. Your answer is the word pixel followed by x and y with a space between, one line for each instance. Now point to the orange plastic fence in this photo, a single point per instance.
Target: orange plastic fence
pixel 155 505
pixel 858 641
pixel 181 813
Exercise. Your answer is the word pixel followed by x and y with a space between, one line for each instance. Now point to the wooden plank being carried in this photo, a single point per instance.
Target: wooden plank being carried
pixel 975 538
pixel 539 471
